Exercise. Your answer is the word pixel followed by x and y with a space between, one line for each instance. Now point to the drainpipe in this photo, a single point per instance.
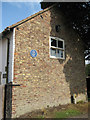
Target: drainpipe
pixel 8 44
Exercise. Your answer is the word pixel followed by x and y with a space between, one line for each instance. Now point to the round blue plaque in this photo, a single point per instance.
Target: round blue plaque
pixel 33 53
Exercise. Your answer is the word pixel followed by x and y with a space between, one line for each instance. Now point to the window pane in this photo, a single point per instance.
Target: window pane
pixel 60 53
pixel 60 44
pixel 53 52
pixel 53 42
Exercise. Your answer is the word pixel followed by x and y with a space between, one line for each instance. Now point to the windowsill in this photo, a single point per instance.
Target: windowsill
pixel 57 58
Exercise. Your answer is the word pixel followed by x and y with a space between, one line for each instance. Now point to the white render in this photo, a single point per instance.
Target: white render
pixel 3 56
pixel 0 59
pixel 11 56
pixel 0 55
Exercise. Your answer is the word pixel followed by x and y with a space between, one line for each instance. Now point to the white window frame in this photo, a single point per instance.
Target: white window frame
pixel 63 49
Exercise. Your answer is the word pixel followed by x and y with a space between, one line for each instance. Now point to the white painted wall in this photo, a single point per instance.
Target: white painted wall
pixel 3 56
pixel 11 56
pixel 0 55
pixel 4 59
pixel 0 58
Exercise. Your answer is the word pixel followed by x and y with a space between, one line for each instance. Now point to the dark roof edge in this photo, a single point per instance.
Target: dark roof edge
pixel 28 18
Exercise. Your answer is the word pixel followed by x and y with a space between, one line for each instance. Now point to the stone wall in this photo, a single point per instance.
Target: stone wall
pixel 46 81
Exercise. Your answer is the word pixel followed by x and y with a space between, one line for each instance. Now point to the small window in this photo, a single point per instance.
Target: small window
pixel 57 48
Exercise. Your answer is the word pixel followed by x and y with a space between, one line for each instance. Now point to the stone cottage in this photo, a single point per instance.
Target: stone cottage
pixel 42 63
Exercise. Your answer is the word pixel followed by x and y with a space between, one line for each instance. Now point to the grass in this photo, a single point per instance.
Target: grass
pixel 66 113
pixel 61 111
pixel 69 112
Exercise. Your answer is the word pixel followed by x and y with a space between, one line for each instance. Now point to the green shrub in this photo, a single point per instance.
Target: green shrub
pixel 81 101
pixel 87 69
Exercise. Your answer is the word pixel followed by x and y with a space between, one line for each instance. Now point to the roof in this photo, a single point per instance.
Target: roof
pixel 28 18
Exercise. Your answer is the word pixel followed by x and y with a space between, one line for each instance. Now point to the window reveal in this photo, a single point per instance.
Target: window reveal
pixel 57 48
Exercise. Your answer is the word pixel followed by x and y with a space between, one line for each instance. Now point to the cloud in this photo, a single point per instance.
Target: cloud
pixel 45 0
pixel 29 5
pixel 32 6
pixel 20 0
pixel 17 4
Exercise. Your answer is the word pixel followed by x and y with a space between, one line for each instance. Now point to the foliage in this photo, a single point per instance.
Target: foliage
pixel 87 69
pixel 79 15
pixel 80 102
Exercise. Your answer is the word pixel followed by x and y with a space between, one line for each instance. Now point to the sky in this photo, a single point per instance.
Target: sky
pixel 13 12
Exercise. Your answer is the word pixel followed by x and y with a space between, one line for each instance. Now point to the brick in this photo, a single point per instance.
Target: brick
pixel 46 81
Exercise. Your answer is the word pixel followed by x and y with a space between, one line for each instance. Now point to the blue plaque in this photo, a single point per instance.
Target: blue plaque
pixel 33 53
